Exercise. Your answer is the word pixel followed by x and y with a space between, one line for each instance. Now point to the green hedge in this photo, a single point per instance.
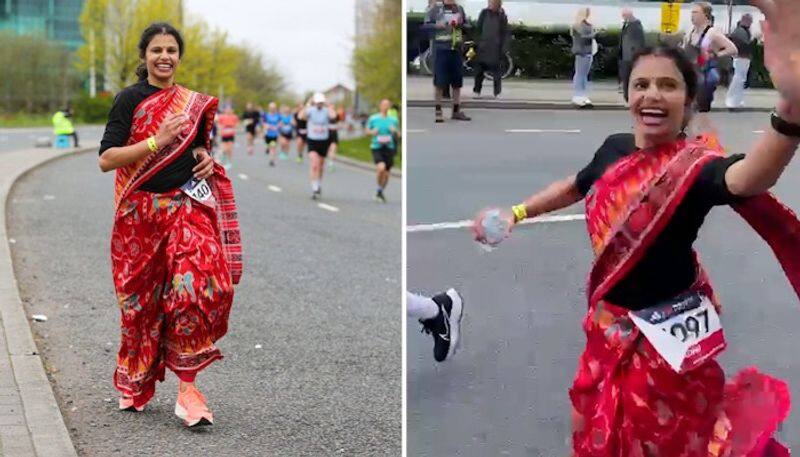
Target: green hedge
pixel 92 110
pixel 545 52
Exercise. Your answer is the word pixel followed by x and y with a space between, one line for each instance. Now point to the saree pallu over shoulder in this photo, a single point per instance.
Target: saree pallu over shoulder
pixel 627 401
pixel 200 109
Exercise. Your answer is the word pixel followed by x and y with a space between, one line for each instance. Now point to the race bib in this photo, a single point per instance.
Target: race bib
pixel 686 331
pixel 319 130
pixel 384 139
pixel 248 122
pixel 200 191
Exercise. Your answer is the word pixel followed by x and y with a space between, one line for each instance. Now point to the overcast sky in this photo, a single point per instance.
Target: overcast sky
pixel 310 40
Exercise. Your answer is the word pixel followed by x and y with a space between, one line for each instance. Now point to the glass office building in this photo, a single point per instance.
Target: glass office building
pixel 56 19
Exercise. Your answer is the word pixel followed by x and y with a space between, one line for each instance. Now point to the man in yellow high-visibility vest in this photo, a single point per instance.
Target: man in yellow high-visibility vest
pixel 62 125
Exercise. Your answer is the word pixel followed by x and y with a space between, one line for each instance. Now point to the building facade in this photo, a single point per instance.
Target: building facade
pixel 55 19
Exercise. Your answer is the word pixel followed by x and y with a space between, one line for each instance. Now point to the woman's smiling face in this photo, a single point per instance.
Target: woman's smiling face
pixel 162 57
pixel 658 99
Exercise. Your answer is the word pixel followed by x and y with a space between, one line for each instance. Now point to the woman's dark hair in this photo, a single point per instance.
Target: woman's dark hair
pixel 678 57
pixel 157 28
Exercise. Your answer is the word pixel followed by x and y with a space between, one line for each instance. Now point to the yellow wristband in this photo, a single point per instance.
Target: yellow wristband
pixel 151 144
pixel 520 212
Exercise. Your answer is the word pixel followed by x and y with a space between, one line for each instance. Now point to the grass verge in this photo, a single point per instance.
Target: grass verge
pixel 358 149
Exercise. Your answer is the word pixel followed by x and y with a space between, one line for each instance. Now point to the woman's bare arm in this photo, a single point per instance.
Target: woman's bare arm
pixel 557 195
pixel 723 46
pixel 120 156
pixel 762 166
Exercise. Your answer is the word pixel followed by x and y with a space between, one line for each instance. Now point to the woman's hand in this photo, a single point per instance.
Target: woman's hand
pixel 782 46
pixel 205 164
pixel 479 232
pixel 170 128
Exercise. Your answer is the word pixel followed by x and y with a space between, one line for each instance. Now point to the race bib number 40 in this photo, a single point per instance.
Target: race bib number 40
pixel 199 190
pixel 686 331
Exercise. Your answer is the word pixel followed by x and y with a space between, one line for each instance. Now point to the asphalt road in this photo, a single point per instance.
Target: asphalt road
pixel 313 355
pixel 14 139
pixel 505 393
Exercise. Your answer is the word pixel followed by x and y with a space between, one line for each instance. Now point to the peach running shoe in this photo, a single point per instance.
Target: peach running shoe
pixel 191 407
pixel 126 404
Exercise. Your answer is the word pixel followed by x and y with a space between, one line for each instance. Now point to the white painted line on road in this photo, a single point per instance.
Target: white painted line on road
pixel 468 223
pixel 543 131
pixel 758 131
pixel 327 207
pixel 416 130
pixel 274 188
pixel 243 177
pixel 49 197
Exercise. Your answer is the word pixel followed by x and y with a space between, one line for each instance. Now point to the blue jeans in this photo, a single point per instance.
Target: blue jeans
pixel 580 82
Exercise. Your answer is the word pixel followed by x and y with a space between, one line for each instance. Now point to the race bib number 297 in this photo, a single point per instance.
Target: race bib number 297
pixel 686 331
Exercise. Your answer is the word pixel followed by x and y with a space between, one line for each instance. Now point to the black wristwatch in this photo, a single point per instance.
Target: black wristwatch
pixel 783 127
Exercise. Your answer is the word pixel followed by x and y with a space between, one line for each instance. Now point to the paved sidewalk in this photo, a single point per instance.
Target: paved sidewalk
pixel 556 94
pixel 31 424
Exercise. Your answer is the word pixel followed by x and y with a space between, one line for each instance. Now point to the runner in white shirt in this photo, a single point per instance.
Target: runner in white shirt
pixel 319 115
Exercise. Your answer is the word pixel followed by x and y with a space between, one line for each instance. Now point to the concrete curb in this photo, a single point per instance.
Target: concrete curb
pixel 43 417
pixel 546 105
pixel 364 165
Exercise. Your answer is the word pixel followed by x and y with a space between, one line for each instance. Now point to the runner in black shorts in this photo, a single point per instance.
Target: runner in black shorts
pixel 251 119
pixel 383 129
pixel 319 115
pixel 334 135
pixel 286 131
pixel 300 126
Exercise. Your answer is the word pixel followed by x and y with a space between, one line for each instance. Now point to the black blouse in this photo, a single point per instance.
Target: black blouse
pixel 118 129
pixel 667 268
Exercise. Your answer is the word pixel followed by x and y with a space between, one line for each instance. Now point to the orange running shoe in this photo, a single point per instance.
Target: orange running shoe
pixel 191 407
pixel 126 404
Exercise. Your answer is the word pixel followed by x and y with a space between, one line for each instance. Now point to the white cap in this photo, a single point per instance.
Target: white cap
pixel 319 97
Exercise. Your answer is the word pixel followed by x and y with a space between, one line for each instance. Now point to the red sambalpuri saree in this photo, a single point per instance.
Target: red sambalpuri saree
pixel 627 401
pixel 174 260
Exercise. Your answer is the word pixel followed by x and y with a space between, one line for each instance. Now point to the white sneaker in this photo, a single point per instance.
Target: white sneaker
pixel 476 96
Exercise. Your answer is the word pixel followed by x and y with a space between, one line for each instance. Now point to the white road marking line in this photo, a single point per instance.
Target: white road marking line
pixel 274 188
pixel 243 177
pixel 416 130
pixel 758 131
pixel 543 131
pixel 327 207
pixel 468 223
pixel 49 197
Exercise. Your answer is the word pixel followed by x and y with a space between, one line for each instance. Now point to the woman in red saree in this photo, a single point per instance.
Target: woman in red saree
pixel 175 249
pixel 648 383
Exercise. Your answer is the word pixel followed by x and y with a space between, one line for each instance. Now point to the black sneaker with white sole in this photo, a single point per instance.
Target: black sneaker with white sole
pixel 446 326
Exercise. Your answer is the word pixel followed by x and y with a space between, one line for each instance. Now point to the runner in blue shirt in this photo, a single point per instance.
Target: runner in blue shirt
pixel 271 121
pixel 286 132
pixel 383 129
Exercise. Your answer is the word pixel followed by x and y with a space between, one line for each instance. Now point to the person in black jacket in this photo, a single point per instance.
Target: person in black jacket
pixel 631 40
pixel 744 41
pixel 492 39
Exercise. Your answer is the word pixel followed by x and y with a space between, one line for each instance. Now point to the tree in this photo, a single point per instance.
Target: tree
pixel 377 56
pixel 43 82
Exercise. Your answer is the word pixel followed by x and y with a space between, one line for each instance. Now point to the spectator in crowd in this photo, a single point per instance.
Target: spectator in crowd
pixel 446 22
pixel 583 44
pixel 492 41
pixel 744 40
pixel 631 40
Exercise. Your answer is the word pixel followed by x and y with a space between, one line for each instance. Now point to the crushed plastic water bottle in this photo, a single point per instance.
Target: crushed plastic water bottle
pixel 495 229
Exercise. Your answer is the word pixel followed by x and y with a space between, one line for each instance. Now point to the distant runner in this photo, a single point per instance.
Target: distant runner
pixel 251 119
pixel 271 120
pixel 383 129
pixel 319 115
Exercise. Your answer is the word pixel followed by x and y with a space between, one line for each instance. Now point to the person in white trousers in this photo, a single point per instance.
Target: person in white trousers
pixel 743 39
